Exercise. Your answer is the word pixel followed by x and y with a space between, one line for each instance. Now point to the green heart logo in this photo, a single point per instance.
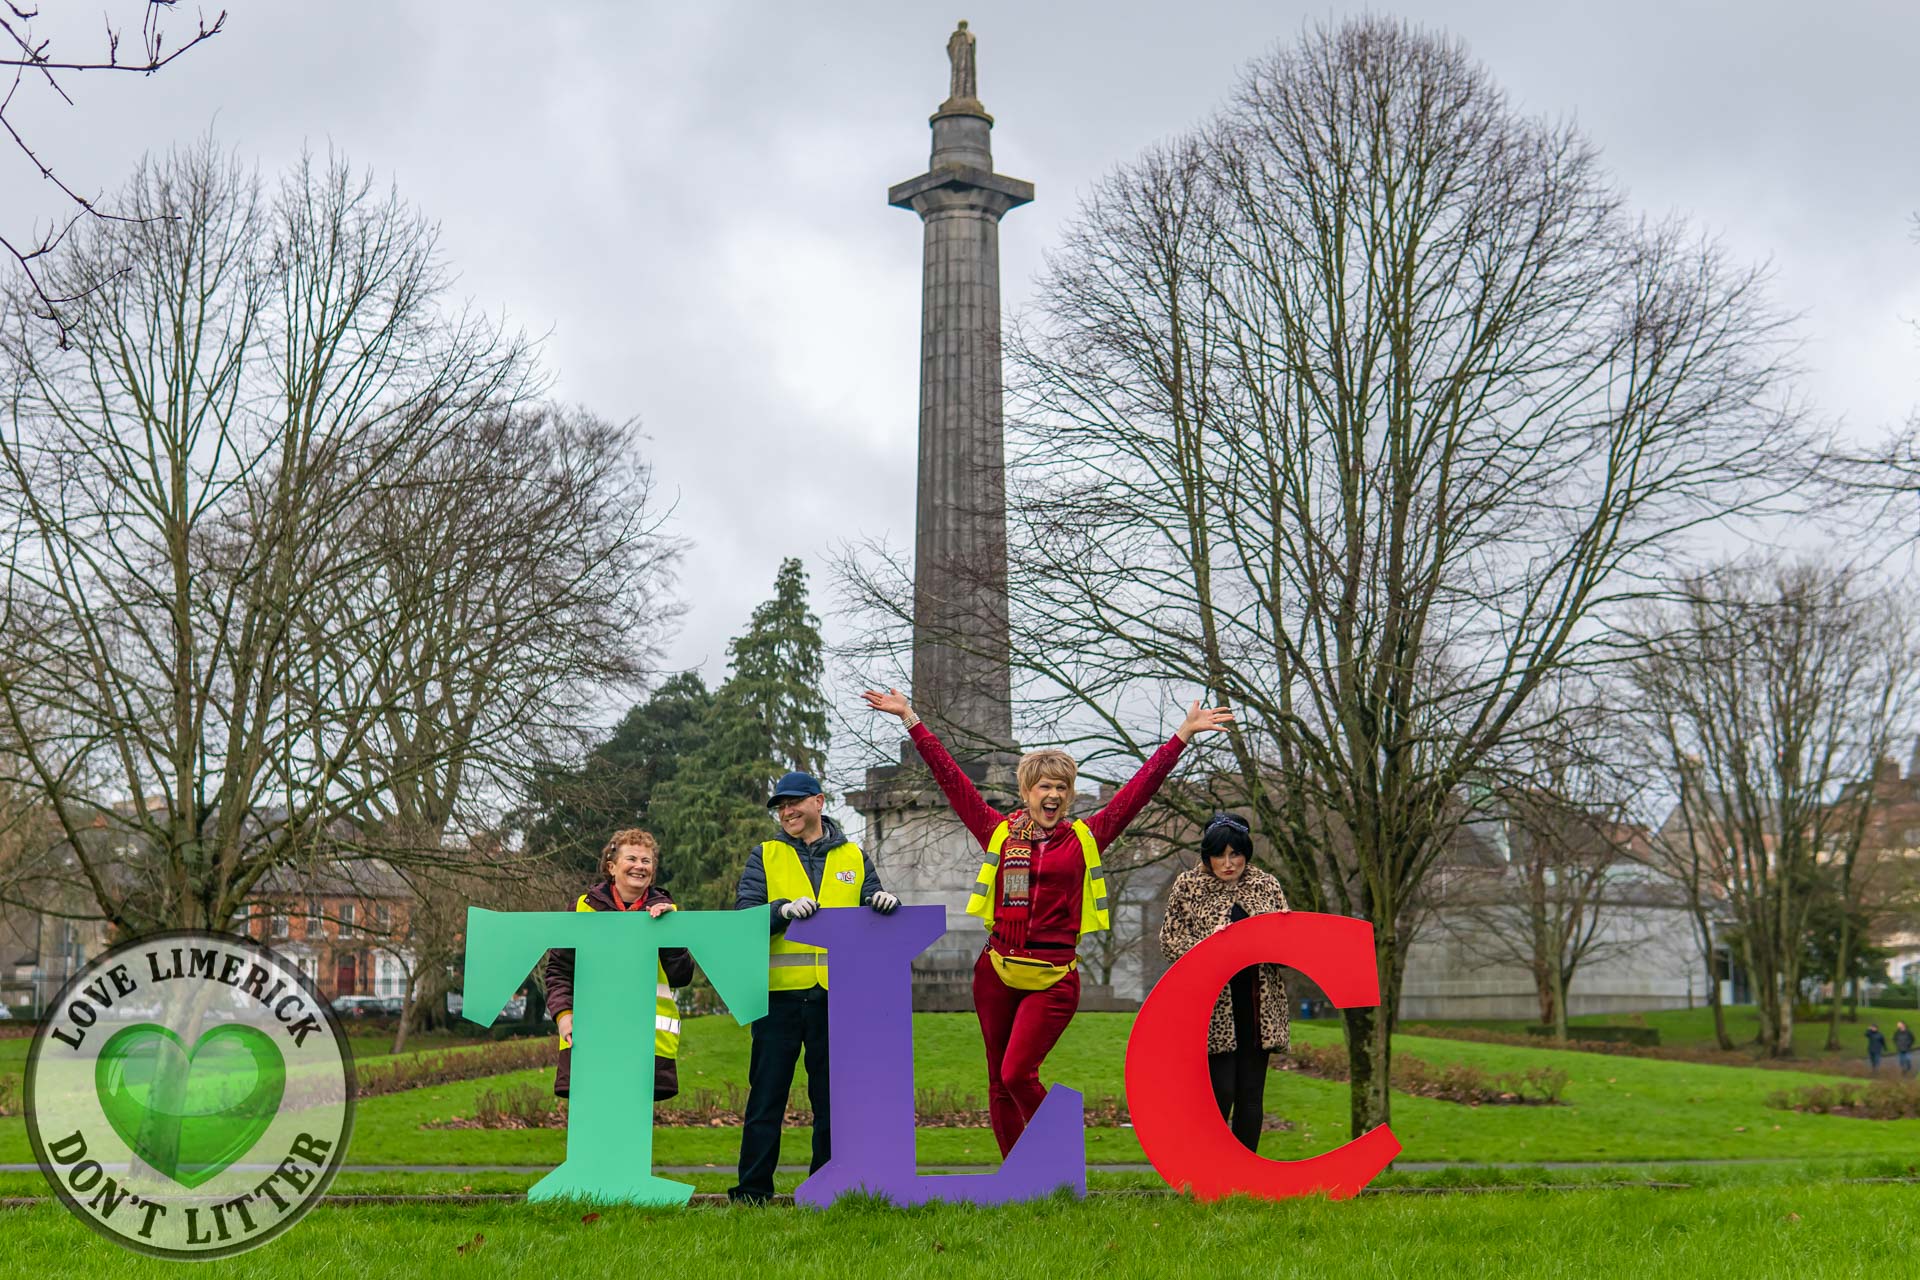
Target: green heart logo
pixel 190 1112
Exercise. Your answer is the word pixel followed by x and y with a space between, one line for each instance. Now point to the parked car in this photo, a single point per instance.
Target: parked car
pixel 368 1006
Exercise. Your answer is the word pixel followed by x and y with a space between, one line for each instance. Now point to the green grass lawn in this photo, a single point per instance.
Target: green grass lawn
pixel 1752 1230
pixel 1619 1109
pixel 1693 1028
pixel 365 1046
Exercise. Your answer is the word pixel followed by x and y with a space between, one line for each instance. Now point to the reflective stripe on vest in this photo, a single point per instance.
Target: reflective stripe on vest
pixel 1093 885
pixel 795 966
pixel 666 1010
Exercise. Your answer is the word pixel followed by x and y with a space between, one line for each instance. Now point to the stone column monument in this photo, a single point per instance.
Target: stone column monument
pixel 961 685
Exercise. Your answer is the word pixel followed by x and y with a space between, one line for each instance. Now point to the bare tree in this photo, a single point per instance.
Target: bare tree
pixel 1566 896
pixel 201 498
pixel 1362 407
pixel 37 65
pixel 427 940
pixel 1692 866
pixel 1772 692
pixel 527 578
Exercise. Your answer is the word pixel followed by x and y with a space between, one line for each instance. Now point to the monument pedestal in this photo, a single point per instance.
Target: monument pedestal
pixel 927 856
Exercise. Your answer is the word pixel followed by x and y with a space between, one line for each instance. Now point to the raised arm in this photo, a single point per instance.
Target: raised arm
pixel 1127 803
pixel 962 796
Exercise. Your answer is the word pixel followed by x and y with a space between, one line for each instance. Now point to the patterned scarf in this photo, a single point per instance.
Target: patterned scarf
pixel 1024 838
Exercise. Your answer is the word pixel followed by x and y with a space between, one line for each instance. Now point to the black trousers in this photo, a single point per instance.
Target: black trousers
pixel 796 1021
pixel 1240 1089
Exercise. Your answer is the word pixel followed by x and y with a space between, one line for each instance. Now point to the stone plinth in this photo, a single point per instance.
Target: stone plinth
pixel 927 856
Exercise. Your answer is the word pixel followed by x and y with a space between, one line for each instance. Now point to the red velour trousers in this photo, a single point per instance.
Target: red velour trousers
pixel 1020 1028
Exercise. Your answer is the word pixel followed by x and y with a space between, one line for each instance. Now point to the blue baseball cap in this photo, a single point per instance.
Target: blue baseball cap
pixel 795 786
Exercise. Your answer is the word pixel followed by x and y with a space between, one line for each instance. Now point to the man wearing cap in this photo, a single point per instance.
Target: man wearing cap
pixel 809 865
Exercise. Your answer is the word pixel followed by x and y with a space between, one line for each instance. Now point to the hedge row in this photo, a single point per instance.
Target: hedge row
pixel 1453 1082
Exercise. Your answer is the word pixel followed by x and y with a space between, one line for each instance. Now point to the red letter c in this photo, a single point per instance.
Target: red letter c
pixel 1168 1090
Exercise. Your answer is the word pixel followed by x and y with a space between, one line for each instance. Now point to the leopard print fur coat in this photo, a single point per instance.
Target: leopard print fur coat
pixel 1196 905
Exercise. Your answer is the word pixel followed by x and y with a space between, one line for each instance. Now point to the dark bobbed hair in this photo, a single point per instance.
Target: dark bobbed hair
pixel 1226 831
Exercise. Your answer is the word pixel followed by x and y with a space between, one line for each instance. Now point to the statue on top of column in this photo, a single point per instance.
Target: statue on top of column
pixel 966 76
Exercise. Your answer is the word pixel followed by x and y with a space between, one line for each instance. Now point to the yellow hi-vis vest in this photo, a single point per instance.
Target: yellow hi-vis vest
pixel 1093 885
pixel 666 1012
pixel 795 966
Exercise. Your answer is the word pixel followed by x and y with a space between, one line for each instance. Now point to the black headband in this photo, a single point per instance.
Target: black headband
pixel 1233 820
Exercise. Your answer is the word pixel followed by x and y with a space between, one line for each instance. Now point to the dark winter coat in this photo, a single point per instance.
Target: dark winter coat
pixel 1903 1040
pixel 752 889
pixel 1876 1043
pixel 677 961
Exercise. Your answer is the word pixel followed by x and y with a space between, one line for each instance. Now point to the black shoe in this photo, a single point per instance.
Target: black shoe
pixel 740 1195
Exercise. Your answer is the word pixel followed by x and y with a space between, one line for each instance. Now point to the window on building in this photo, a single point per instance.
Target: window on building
pixel 389 976
pixel 347 920
pixel 315 917
pixel 278 925
pixel 382 917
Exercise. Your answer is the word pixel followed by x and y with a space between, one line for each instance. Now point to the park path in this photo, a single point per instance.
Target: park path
pixel 1400 1166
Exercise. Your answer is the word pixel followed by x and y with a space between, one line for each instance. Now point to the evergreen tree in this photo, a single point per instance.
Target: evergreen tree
pixel 778 669
pixel 770 716
pixel 569 813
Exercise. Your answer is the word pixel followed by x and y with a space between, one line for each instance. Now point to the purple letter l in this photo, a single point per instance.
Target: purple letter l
pixel 870 1030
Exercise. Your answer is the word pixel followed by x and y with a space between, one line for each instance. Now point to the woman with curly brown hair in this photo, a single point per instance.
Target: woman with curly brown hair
pixel 628 866
pixel 1250 1018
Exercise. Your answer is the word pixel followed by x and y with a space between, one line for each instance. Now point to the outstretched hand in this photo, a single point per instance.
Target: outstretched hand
pixel 893 702
pixel 1200 719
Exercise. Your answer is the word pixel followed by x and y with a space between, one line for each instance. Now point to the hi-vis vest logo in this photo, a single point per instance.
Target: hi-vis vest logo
pixel 189 1095
pixel 846 877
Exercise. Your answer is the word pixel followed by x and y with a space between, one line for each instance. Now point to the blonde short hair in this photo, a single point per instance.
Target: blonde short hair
pixel 1048 762
pixel 621 839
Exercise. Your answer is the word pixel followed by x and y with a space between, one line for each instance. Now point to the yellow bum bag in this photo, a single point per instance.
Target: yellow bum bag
pixel 1024 974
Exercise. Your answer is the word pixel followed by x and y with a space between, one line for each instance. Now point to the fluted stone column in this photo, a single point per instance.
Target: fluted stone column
pixel 961 681
pixel 961 684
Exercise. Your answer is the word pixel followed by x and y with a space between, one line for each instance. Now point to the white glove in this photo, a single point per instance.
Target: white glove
pixel 883 902
pixel 799 908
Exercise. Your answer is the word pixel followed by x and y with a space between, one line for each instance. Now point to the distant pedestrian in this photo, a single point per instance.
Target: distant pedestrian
pixel 1903 1047
pixel 1876 1047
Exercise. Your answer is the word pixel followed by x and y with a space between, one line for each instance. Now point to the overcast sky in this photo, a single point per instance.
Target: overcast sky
pixel 690 199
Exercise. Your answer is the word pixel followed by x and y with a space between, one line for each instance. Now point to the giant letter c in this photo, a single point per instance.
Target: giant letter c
pixel 1168 1091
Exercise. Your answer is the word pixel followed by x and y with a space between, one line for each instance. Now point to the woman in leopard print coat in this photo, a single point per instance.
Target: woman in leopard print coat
pixel 1250 1018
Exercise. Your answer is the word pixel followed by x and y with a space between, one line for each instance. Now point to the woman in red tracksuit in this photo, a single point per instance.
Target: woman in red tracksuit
pixel 1039 890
